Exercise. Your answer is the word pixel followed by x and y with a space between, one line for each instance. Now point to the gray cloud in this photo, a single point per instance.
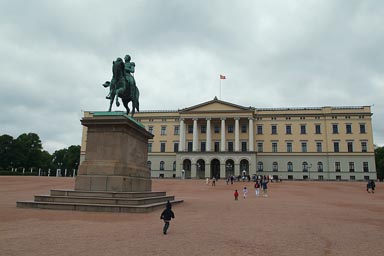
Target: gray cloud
pixel 56 54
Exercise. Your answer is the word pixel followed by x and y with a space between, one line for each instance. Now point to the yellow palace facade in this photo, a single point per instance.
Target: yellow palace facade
pixel 219 139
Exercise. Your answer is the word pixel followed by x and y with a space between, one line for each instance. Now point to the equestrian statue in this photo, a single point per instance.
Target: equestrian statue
pixel 123 85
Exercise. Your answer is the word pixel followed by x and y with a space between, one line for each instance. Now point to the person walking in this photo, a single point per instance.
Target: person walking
pixel 245 192
pixel 265 187
pixel 166 216
pixel 257 188
pixel 236 194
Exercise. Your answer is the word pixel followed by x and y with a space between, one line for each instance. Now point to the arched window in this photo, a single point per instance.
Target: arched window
pixel 260 166
pixel 275 167
pixel 161 165
pixel 174 165
pixel 305 167
pixel 319 166
pixel 290 167
pixel 149 164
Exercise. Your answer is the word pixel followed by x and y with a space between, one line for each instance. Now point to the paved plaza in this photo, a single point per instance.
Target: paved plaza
pixel 298 218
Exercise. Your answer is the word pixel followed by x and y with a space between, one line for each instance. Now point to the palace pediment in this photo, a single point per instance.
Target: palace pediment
pixel 215 105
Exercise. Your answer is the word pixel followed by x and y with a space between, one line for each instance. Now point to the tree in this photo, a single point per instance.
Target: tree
pixel 6 148
pixel 28 150
pixel 379 159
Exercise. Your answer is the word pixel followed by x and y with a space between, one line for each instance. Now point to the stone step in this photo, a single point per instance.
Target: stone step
pixel 94 207
pixel 103 200
pixel 79 193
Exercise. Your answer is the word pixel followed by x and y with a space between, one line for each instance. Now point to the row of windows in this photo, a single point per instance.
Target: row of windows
pixel 260 146
pixel 305 167
pixel 161 165
pixel 259 130
pixel 258 118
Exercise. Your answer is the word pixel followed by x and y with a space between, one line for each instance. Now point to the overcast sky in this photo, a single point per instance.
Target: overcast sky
pixel 55 55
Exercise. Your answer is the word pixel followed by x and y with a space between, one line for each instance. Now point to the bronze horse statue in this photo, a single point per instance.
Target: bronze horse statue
pixel 123 85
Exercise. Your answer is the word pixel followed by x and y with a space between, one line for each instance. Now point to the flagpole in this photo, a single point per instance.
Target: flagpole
pixel 220 89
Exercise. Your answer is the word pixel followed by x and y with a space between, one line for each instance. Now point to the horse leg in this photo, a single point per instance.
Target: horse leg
pixel 125 103
pixel 111 102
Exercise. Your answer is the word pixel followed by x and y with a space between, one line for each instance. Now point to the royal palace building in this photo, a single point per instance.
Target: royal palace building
pixel 219 139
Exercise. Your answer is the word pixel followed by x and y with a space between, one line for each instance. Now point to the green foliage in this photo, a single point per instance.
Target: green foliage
pixel 379 159
pixel 26 151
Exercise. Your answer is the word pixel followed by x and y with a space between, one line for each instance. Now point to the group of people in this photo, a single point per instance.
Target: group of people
pixel 263 184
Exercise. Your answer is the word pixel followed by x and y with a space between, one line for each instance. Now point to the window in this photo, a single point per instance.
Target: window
pixel 289 147
pixel 335 129
pixel 303 129
pixel 362 128
pixel 364 146
pixel 288 129
pixel 243 128
pixel 163 130
pixel 176 147
pixel 161 165
pixel 304 147
pixel 149 165
pixel 203 129
pixel 320 167
pixel 259 129
pixel 230 128
pixel 274 147
pixel 190 146
pixel 243 146
pixel 150 129
pixel 149 147
pixel 217 146
pixel 176 130
pixel 162 147
pixel 274 129
pixel 216 128
pixel 336 147
pixel 365 167
pixel 337 167
pixel 290 167
pixel 275 167
pixel 202 146
pixel 260 147
pixel 230 146
pixel 190 128
pixel 318 129
pixel 174 166
pixel 348 128
pixel 305 167
pixel 319 147
pixel 350 146
pixel 352 178
pixel 351 167
pixel 260 166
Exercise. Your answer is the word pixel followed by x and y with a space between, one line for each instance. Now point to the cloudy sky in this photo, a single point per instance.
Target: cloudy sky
pixel 54 56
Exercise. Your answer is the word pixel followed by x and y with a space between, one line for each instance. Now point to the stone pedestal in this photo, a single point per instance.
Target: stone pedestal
pixel 116 155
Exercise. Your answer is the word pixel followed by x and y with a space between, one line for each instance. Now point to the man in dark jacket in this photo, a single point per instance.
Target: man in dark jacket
pixel 167 215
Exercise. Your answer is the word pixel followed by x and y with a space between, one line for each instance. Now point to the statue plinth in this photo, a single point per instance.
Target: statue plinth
pixel 116 155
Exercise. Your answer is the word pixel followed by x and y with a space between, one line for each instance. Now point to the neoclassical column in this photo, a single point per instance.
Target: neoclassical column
pixel 250 132
pixel 209 139
pixel 182 135
pixel 237 138
pixel 195 133
pixel 222 146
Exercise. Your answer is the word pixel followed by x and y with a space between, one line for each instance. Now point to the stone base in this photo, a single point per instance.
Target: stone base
pixel 112 183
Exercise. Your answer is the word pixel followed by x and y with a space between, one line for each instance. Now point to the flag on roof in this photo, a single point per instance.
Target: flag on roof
pixel 222 77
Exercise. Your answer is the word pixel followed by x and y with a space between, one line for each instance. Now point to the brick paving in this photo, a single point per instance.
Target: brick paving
pixel 298 218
